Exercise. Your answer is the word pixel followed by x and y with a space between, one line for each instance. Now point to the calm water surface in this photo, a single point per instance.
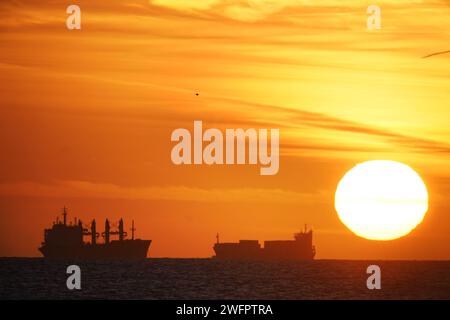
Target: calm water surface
pixel 37 278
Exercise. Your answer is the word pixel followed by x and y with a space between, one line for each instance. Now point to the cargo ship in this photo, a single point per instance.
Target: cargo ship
pixel 300 248
pixel 66 241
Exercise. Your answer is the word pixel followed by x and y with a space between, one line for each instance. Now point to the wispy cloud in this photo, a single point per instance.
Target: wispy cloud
pixel 297 118
pixel 255 10
pixel 94 190
pixel 436 54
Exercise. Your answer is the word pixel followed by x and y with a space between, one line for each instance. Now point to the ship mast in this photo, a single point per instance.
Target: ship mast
pixel 65 214
pixel 132 229
pixel 93 233
pixel 107 231
pixel 121 233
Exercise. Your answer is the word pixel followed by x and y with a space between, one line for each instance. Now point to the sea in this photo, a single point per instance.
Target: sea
pixel 204 279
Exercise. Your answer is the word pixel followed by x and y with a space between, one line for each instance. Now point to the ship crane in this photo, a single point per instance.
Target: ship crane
pixel 133 229
pixel 122 234
pixel 93 231
pixel 107 231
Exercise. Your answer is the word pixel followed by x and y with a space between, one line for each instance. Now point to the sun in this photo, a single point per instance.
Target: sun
pixel 381 199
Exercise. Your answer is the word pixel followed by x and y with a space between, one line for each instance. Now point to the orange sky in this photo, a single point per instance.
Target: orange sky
pixel 86 117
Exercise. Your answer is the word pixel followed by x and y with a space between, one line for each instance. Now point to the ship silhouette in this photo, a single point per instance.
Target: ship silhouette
pixel 301 248
pixel 66 241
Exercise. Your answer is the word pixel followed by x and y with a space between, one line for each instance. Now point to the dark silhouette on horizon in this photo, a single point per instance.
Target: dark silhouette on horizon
pixel 435 54
pixel 301 248
pixel 66 241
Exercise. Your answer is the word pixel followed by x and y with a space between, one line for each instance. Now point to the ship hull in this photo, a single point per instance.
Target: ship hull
pixel 241 255
pixel 118 250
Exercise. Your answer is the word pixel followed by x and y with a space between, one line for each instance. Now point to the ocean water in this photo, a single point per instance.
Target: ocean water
pixel 36 278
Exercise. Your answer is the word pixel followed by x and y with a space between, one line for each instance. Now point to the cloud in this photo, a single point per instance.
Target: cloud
pixel 93 190
pixel 243 10
pixel 289 118
pixel 180 4
pixel 254 10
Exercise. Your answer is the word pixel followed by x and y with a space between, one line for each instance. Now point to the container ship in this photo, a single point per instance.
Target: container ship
pixel 301 248
pixel 66 241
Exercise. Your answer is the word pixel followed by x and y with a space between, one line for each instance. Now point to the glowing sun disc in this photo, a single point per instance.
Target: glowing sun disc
pixel 381 199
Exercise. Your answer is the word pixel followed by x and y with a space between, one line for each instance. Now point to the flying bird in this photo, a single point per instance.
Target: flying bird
pixel 435 54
